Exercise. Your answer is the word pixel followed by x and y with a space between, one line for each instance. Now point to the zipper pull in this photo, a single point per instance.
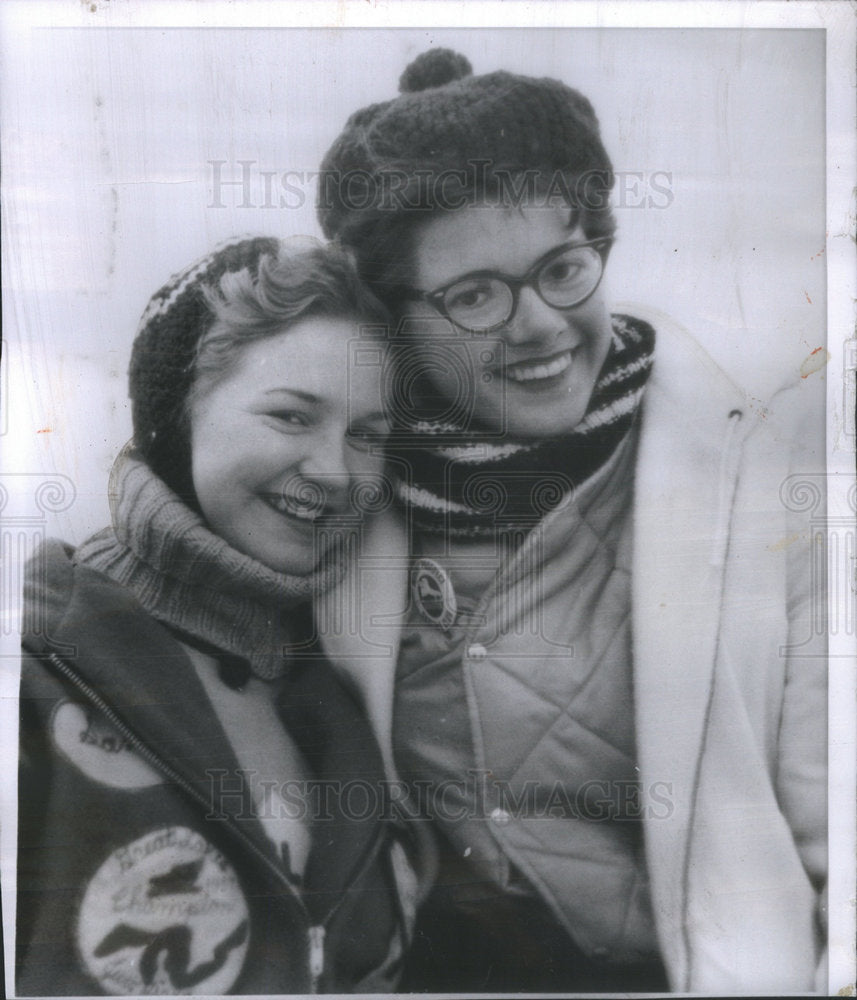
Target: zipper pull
pixel 316 955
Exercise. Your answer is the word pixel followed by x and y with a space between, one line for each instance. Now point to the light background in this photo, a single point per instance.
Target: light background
pixel 110 187
pixel 107 129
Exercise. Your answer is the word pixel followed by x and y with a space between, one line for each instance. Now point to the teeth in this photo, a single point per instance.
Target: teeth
pixel 287 506
pixel 529 372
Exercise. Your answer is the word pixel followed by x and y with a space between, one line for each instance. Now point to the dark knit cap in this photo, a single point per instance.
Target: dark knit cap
pixel 162 358
pixel 448 120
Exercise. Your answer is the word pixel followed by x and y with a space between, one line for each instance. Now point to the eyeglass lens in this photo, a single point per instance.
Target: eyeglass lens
pixel 484 301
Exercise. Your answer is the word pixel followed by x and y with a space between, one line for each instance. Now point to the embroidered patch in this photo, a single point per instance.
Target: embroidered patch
pixel 88 740
pixel 164 915
pixel 433 593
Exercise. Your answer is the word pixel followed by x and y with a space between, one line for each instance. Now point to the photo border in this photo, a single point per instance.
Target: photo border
pixel 837 20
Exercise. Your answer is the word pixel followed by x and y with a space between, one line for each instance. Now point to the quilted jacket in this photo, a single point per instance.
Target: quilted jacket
pixel 729 674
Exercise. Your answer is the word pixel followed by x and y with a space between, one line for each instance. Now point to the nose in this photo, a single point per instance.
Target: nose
pixel 535 322
pixel 326 464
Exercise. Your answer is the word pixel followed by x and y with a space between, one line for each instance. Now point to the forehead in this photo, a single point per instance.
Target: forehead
pixel 487 237
pixel 332 359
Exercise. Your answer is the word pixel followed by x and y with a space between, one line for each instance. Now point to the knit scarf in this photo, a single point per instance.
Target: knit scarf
pixel 191 580
pixel 465 484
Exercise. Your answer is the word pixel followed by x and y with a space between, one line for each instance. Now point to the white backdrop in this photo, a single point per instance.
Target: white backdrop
pixel 118 144
pixel 109 130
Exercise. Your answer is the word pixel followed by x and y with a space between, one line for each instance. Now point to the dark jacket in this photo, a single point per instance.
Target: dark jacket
pixel 141 867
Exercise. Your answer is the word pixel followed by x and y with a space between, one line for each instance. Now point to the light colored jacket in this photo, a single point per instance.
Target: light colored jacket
pixel 729 669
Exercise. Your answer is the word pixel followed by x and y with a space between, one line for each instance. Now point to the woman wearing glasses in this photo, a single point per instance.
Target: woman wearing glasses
pixel 595 699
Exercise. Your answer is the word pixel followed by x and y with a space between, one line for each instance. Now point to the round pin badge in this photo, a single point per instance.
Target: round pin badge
pixel 433 593
pixel 164 914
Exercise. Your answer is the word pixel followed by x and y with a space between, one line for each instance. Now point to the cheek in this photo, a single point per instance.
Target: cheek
pixel 435 367
pixel 214 479
pixel 204 460
pixel 455 374
pixel 605 342
pixel 225 455
pixel 593 319
pixel 369 480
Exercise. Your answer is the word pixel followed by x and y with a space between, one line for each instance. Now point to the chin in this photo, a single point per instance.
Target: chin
pixel 290 562
pixel 544 423
pixel 292 566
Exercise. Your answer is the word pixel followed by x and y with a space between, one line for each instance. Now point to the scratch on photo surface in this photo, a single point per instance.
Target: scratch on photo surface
pixel 784 543
pixel 106 164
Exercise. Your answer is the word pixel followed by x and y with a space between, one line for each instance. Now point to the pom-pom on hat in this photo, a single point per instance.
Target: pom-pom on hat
pixel 447 120
pixel 162 358
pixel 434 69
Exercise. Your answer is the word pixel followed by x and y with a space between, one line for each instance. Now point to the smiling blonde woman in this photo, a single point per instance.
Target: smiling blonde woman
pixel 188 819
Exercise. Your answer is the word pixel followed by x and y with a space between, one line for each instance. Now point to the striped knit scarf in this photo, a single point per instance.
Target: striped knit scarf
pixel 465 485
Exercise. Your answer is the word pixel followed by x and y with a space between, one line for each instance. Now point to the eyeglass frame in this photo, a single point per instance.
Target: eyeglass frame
pixel 515 285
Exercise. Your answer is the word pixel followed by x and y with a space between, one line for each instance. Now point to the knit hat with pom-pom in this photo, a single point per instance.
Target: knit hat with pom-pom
pixel 162 358
pixel 447 121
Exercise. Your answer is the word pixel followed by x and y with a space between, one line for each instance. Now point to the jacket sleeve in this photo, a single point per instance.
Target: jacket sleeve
pixel 45 959
pixel 33 779
pixel 801 778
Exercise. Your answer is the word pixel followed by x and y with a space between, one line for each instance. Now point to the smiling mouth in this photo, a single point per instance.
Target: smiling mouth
pixel 538 371
pixel 292 508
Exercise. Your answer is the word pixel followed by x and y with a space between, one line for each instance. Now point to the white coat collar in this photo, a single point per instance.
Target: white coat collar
pixel 360 622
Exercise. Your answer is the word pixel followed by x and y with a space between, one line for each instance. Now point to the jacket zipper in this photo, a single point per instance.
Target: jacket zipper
pixel 316 954
pixel 315 933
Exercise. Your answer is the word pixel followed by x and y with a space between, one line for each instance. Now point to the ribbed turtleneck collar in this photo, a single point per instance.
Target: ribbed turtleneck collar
pixel 193 581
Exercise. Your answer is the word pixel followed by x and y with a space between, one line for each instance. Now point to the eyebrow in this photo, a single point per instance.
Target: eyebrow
pixel 493 272
pixel 378 415
pixel 307 397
